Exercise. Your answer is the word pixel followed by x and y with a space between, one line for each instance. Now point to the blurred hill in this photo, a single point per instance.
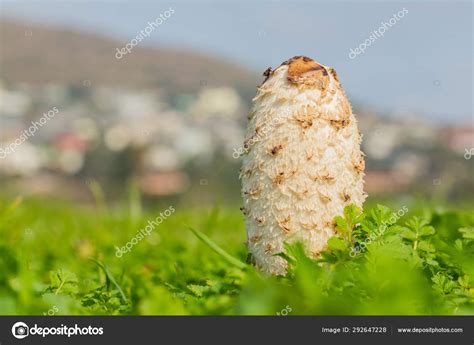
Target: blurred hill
pixel 40 54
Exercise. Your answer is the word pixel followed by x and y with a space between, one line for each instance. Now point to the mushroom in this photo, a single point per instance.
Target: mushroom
pixel 321 138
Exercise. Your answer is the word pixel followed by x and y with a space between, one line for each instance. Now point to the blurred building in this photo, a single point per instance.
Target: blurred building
pixel 119 133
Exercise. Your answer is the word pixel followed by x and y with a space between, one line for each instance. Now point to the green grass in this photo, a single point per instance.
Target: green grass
pixel 59 258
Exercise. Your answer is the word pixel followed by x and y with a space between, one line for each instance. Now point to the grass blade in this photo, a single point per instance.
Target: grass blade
pixel 214 246
pixel 110 277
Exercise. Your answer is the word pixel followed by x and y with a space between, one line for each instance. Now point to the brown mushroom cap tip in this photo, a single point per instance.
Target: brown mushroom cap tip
pixel 302 68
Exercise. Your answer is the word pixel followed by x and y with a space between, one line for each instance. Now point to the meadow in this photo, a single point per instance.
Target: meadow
pixel 58 258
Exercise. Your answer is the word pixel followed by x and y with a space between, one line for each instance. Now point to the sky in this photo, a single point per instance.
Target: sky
pixel 422 63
